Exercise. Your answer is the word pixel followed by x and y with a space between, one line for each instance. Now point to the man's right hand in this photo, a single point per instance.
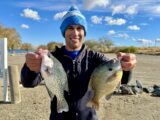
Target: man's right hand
pixel 34 59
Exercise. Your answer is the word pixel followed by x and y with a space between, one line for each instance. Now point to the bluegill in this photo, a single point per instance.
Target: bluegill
pixel 104 80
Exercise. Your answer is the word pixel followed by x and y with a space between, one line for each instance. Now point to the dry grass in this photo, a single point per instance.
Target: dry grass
pixel 149 50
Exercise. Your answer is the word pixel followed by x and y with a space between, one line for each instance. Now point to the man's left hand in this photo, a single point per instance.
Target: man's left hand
pixel 128 60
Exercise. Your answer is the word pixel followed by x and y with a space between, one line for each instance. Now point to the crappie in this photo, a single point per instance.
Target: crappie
pixel 104 80
pixel 55 79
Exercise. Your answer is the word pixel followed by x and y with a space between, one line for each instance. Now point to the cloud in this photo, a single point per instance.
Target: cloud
pixel 29 13
pixel 96 20
pixel 90 4
pixel 158 40
pixel 133 27
pixel 156 10
pixel 116 34
pixel 25 4
pixel 54 7
pixel 111 32
pixel 59 15
pixel 49 5
pixel 151 8
pixel 122 8
pixel 145 41
pixel 123 35
pixel 25 26
pixel 144 24
pixel 112 21
pixel 132 9
pixel 129 7
pixel 118 9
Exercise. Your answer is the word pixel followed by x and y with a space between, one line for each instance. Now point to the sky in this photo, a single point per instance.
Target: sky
pixel 125 22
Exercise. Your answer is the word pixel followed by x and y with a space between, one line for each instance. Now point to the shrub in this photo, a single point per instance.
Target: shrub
pixel 130 49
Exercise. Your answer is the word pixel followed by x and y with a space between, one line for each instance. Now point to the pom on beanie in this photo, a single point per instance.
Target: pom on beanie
pixel 73 17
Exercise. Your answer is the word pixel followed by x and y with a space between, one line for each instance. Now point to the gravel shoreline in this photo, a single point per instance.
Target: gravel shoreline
pixel 35 104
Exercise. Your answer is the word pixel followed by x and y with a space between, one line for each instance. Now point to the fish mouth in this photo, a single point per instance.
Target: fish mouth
pixel 115 63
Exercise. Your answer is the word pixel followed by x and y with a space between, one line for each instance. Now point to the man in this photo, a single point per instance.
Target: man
pixel 78 62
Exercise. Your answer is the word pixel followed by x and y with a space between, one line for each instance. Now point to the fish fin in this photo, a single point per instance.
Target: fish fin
pixel 139 84
pixel 62 106
pixel 66 87
pixel 119 85
pixel 89 87
pixel 108 96
pixel 93 104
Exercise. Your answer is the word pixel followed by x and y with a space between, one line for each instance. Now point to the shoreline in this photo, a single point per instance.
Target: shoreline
pixel 35 104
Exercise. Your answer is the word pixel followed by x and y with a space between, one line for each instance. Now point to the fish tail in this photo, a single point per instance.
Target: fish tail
pixel 93 104
pixel 62 106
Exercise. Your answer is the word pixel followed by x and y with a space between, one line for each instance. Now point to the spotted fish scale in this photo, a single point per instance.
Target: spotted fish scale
pixel 55 80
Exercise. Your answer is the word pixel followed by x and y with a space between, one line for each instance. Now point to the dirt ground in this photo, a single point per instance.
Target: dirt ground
pixel 35 102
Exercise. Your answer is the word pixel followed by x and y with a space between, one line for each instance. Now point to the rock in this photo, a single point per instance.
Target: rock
pixel 125 89
pixel 156 91
pixel 148 89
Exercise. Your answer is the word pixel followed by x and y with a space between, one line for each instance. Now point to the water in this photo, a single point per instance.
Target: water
pixel 18 51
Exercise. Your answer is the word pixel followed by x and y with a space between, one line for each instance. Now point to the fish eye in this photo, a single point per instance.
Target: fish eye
pixel 46 69
pixel 110 69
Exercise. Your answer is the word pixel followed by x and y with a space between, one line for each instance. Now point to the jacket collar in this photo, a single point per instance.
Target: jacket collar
pixel 60 51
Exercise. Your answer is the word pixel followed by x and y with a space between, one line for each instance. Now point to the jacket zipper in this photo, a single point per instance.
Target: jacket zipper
pixel 74 69
pixel 73 62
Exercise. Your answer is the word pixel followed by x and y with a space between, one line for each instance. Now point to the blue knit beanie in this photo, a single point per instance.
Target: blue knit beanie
pixel 73 17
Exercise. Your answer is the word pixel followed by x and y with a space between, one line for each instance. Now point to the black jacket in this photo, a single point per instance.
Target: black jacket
pixel 78 73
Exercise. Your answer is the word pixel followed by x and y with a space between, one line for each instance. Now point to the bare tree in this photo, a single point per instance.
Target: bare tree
pixel 105 41
pixel 42 47
pixel 26 46
pixel 14 39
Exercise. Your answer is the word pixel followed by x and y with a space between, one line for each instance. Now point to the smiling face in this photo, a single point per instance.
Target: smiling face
pixel 74 36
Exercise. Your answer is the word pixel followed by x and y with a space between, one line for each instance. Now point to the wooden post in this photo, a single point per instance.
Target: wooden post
pixel 14 78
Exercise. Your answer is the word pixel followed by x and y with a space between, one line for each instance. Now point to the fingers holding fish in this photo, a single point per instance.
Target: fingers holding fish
pixel 33 61
pixel 128 60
